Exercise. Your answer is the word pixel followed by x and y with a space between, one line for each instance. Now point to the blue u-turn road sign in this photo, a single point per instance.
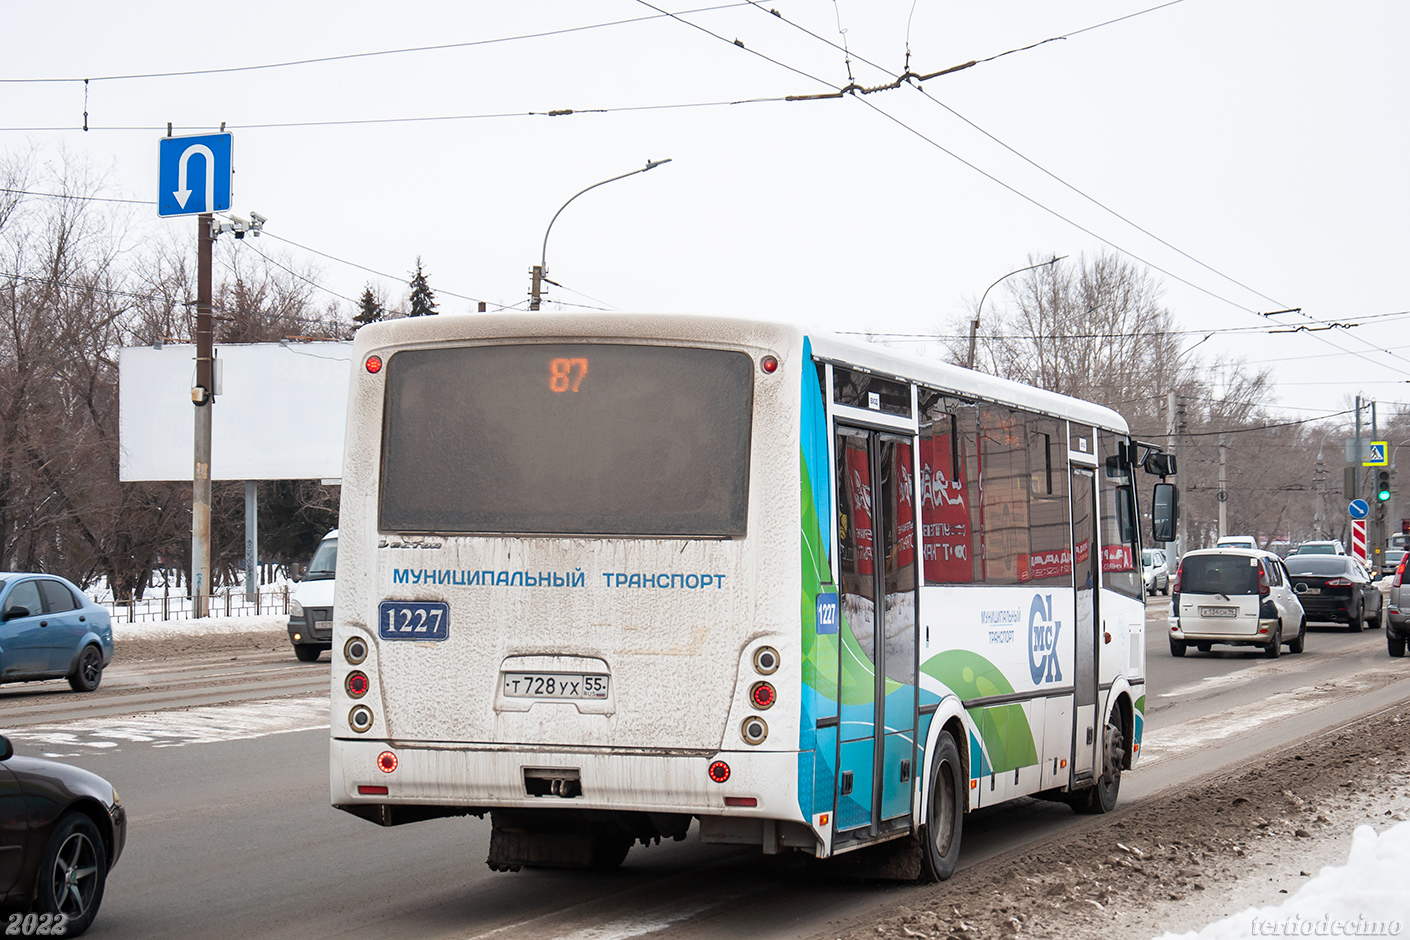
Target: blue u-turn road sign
pixel 194 174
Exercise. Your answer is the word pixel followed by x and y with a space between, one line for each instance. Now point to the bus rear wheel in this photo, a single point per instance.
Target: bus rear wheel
pixel 944 818
pixel 1101 798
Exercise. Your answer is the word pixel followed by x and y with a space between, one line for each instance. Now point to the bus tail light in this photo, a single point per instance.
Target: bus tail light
pixel 355 650
pixel 374 364
pixel 357 684
pixel 763 695
pixel 386 762
pixel 360 719
pixel 719 771
pixel 769 364
pixel 766 660
pixel 754 730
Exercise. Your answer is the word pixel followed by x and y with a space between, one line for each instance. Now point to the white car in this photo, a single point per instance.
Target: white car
pixel 1235 596
pixel 1236 541
pixel 1155 570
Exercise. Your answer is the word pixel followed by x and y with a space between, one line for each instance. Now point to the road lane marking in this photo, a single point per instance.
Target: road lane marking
pixel 205 724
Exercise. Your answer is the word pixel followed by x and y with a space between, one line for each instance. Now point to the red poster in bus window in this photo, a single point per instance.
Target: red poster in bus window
pixel 1116 558
pixel 1084 548
pixel 944 515
pixel 859 487
pixel 1052 564
pixel 904 511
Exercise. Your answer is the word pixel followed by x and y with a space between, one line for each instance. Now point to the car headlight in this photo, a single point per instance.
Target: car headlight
pixel 296 609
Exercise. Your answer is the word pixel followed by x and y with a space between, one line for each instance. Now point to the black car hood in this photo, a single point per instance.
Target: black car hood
pixel 52 779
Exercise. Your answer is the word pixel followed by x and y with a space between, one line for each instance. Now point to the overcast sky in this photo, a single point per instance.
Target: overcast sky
pixel 1256 151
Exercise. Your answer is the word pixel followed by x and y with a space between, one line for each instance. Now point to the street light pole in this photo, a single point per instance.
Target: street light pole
pixel 537 272
pixel 974 324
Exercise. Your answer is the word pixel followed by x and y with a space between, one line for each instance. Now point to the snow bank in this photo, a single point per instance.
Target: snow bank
pixel 206 626
pixel 1366 897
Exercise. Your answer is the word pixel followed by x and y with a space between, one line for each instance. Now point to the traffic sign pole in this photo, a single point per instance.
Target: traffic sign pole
pixel 202 397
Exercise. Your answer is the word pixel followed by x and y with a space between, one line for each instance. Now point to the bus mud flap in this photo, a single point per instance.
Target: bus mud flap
pixel 897 860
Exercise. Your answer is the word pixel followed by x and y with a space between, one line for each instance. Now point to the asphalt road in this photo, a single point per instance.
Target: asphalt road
pixel 223 766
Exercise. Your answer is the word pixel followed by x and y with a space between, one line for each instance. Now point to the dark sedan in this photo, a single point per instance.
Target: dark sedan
pixel 1336 588
pixel 61 832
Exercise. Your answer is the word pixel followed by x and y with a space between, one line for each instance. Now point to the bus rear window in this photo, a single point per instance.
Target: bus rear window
pixel 567 439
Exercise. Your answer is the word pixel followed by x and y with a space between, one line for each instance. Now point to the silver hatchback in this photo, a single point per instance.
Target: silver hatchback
pixel 1235 596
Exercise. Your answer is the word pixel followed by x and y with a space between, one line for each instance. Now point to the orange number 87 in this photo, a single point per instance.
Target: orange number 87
pixel 566 374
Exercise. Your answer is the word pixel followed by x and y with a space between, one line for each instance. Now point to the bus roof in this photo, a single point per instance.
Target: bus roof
pixel 881 360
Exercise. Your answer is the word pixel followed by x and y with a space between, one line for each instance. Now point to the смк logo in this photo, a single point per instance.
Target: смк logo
pixel 1042 641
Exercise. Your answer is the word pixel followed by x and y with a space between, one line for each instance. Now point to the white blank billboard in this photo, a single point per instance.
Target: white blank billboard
pixel 280 414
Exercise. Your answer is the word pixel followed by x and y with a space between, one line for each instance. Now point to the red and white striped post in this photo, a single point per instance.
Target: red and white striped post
pixel 1358 539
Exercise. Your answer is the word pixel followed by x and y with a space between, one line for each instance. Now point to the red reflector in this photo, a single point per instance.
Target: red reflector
pixel 719 771
pixel 386 762
pixel 365 790
pixel 357 684
pixel 741 801
pixel 374 364
pixel 769 365
pixel 763 695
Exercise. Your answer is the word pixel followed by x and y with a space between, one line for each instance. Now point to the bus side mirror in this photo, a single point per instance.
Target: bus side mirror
pixel 1165 510
pixel 1160 464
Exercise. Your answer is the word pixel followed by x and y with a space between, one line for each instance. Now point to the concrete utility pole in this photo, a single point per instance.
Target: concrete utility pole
pixel 1223 494
pixel 202 396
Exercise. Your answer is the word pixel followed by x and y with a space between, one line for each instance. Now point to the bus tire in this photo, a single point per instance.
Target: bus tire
pixel 1101 798
pixel 944 818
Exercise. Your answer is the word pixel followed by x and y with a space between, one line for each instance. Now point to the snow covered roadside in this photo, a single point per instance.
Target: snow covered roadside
pixel 206 626
pixel 1366 897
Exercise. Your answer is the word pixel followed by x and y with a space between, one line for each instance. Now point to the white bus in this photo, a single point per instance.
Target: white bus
pixel 601 576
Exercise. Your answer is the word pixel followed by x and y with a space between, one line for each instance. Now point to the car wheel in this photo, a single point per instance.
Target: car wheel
pixel 1356 623
pixel 72 873
pixel 1102 797
pixel 944 813
pixel 307 653
pixel 1396 644
pixel 1177 647
pixel 1274 649
pixel 1166 590
pixel 1295 645
pixel 88 671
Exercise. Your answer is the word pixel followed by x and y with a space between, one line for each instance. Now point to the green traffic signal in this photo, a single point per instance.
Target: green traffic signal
pixel 1383 485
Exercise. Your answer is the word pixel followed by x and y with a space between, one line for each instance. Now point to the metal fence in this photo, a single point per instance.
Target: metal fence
pixel 226 602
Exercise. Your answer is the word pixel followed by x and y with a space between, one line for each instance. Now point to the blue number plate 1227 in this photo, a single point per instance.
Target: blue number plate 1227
pixel 413 620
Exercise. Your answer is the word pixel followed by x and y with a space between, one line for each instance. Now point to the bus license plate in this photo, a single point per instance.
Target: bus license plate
pixel 554 685
pixel 1218 611
pixel 413 620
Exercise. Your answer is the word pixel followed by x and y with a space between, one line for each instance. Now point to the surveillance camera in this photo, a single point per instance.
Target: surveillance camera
pixel 259 219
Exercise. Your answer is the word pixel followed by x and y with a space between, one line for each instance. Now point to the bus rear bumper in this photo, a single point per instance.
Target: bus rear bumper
pixel 476 779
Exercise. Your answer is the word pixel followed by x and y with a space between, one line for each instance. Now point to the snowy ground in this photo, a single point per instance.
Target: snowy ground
pixel 1365 897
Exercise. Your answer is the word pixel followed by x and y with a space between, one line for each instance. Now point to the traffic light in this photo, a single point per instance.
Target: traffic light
pixel 1383 485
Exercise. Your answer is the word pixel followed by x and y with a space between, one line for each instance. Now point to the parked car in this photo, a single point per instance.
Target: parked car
pixel 1236 541
pixel 1336 588
pixel 61 832
pixel 1398 611
pixel 1155 571
pixel 311 607
pixel 1235 596
pixel 49 629
pixel 1318 548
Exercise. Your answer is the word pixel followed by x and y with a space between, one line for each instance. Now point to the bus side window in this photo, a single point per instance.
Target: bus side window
pixel 947 537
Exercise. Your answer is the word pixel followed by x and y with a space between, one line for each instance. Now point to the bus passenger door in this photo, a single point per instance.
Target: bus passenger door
pixel 876 529
pixel 1085 555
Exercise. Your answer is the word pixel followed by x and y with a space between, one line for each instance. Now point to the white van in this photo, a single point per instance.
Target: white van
pixel 1235 596
pixel 1237 541
pixel 311 607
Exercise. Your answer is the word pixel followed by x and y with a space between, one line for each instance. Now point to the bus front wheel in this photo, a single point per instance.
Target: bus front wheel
pixel 944 817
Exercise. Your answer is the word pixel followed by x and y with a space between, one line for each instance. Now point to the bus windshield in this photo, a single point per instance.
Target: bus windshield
pixel 567 439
